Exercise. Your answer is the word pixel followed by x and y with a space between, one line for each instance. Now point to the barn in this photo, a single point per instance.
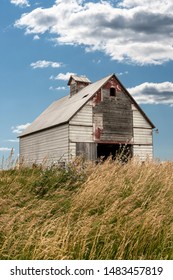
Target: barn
pixel 96 120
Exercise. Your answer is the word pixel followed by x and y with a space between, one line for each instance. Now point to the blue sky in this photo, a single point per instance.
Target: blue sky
pixel 43 42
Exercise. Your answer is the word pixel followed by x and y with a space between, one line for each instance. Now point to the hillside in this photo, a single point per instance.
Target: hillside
pixel 104 211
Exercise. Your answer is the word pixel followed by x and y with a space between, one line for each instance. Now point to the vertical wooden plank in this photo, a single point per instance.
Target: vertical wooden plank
pixel 88 150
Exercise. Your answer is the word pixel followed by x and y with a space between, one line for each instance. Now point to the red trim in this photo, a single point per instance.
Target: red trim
pixel 113 142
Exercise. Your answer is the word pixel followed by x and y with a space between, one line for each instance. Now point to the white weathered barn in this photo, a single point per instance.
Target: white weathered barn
pixel 95 119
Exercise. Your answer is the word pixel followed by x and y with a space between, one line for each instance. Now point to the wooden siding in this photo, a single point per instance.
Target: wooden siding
pixel 72 150
pixel 142 130
pixel 98 120
pixel 138 119
pixel 88 150
pixel 113 119
pixel 143 152
pixel 81 133
pixel 50 145
pixel 83 117
pixel 81 125
pixel 142 136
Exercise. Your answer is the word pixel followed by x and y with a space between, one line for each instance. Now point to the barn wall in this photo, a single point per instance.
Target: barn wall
pixel 113 118
pixel 138 119
pixel 81 126
pixel 143 138
pixel 81 133
pixel 50 145
pixel 83 117
pixel 72 150
pixel 143 152
pixel 88 150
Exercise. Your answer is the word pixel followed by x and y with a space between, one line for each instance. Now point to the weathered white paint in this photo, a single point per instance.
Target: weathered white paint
pixel 81 126
pixel 72 150
pixel 143 152
pixel 47 146
pixel 80 133
pixel 138 119
pixel 83 117
pixel 142 136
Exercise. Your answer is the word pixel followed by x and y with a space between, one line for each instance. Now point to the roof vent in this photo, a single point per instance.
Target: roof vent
pixel 77 83
pixel 85 95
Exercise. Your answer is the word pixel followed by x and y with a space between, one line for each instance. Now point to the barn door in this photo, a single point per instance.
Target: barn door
pixel 122 152
pixel 88 150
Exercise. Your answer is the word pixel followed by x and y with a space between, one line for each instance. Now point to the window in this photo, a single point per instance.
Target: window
pixel 112 92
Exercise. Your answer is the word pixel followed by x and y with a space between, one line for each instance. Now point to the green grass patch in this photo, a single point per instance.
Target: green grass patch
pixel 87 211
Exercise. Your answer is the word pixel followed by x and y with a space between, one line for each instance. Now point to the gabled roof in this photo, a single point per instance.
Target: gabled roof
pixel 62 110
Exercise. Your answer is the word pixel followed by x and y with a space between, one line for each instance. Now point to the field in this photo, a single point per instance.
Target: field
pixel 87 211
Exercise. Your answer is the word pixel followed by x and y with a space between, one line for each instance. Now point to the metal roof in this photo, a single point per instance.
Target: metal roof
pixel 83 79
pixel 62 110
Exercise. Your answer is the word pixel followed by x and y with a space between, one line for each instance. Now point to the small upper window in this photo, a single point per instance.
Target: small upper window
pixel 112 91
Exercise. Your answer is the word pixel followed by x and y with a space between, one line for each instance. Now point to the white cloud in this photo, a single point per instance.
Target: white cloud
pixel 161 5
pixel 97 61
pixel 21 3
pixel 45 64
pixel 122 73
pixel 57 88
pixel 19 128
pixel 153 93
pixel 36 37
pixel 13 140
pixel 3 149
pixel 61 76
pixel 135 31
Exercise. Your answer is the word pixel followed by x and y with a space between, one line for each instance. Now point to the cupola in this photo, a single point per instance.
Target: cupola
pixel 77 83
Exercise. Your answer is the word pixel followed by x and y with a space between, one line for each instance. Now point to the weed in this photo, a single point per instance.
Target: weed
pixel 84 211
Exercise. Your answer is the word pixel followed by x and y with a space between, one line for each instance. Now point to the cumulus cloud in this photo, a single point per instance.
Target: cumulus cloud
pixel 135 31
pixel 45 64
pixel 61 76
pixel 19 128
pixel 153 93
pixel 21 3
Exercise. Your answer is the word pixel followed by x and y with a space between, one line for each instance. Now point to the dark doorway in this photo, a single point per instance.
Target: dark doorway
pixel 116 151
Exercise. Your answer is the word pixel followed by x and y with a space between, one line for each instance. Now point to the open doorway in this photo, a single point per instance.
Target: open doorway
pixel 116 151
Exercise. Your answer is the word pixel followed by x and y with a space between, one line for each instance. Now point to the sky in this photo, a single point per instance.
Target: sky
pixel 43 42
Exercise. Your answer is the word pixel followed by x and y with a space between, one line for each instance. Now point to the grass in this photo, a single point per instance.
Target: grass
pixel 86 211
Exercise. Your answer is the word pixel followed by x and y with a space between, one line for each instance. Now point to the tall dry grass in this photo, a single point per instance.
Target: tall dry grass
pixel 104 211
